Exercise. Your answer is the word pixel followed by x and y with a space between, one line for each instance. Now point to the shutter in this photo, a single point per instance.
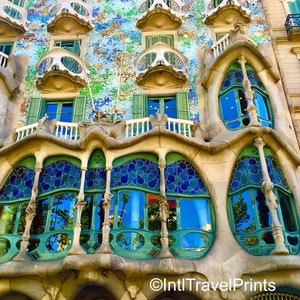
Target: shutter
pixel 182 105
pixel 36 110
pixel 294 7
pixel 140 108
pixel 76 48
pixel 79 109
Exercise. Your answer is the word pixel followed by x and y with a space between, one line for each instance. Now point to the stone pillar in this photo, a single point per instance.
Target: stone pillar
pixel 163 211
pixel 249 94
pixel 105 247
pixel 29 216
pixel 80 204
pixel 271 201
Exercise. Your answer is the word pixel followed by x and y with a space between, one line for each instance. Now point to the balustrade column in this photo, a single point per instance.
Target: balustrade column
pixel 271 201
pixel 80 204
pixel 29 216
pixel 164 211
pixel 106 203
pixel 249 94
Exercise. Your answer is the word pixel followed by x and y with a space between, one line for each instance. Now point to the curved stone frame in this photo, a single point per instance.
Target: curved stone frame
pixel 211 75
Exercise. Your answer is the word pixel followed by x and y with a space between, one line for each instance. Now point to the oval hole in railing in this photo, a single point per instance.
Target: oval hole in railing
pixel 12 12
pixel 71 64
pixel 4 246
pixel 58 242
pixel 80 9
pixel 130 240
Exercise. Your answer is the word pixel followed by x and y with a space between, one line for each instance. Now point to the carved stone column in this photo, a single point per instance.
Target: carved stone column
pixel 271 201
pixel 249 94
pixel 29 216
pixel 163 211
pixel 106 204
pixel 80 204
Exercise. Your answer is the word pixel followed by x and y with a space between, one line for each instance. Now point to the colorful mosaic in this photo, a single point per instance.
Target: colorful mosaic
pixel 139 172
pixel 248 172
pixel 182 178
pixel 95 179
pixel 59 175
pixel 18 185
pixel 115 33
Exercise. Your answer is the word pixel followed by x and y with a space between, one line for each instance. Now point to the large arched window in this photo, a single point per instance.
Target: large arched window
pixel 249 215
pixel 14 198
pixel 233 102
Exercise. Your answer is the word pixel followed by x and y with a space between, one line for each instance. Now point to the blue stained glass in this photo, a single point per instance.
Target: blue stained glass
pixel 145 175
pixel 181 177
pixel 95 179
pixel 59 175
pixel 18 185
pixel 248 171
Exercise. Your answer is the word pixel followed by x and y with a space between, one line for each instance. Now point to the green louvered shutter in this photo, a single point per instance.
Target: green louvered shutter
pixel 294 7
pixel 36 110
pixel 182 105
pixel 139 106
pixel 79 109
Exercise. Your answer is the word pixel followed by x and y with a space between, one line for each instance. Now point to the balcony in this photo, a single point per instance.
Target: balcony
pixel 220 12
pixel 292 25
pixel 70 17
pixel 159 15
pixel 13 19
pixel 60 70
pixel 3 60
pixel 132 128
pixel 161 67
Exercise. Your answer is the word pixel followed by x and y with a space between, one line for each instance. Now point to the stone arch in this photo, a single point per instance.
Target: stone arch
pixel 93 292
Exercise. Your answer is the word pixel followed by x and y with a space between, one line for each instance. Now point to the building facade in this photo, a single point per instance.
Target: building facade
pixel 149 149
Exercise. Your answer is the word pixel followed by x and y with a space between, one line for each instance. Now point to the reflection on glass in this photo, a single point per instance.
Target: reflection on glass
pixel 62 215
pixel 40 219
pixel 93 213
pixel 8 215
pixel 131 210
pixel 4 246
pixel 130 240
pixel 262 209
pixel 287 212
pixel 195 214
pixel 244 219
pixel 195 241
pixel 58 242
pixel 21 223
pixel 229 107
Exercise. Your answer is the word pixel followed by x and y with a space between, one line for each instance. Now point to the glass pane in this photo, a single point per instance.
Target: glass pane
pixel 261 105
pixel 172 220
pixel 195 214
pixel 170 108
pixel 62 215
pixel 8 216
pixel 288 214
pixel 229 107
pixel 130 240
pixel 154 223
pixel 263 210
pixel 51 110
pixel 153 107
pixel 243 214
pixel 40 219
pixel 21 225
pixel 6 48
pixel 58 242
pixel 195 241
pixel 4 246
pixel 66 112
pixel 131 210
pixel 91 219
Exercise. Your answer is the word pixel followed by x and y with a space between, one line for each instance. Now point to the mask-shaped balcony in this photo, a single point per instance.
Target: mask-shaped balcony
pixel 70 17
pixel 159 15
pixel 161 67
pixel 220 12
pixel 13 19
pixel 60 70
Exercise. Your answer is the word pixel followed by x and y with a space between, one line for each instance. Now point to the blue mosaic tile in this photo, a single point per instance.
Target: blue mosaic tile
pixel 18 185
pixel 182 178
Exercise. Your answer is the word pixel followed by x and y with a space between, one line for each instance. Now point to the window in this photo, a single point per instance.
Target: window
pixel 6 48
pixel 250 217
pixel 294 7
pixel 62 110
pixel 153 39
pixel 233 102
pixel 174 107
pixel 72 46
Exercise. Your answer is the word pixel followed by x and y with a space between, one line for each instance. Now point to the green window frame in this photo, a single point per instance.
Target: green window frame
pixel 164 38
pixel 6 48
pixel 69 45
pixel 38 108
pixel 141 105
pixel 248 213
pixel 294 7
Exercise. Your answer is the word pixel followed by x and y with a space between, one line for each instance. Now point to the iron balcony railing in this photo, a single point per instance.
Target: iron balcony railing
pixel 133 128
pixel 292 22
pixel 3 59
pixel 14 13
